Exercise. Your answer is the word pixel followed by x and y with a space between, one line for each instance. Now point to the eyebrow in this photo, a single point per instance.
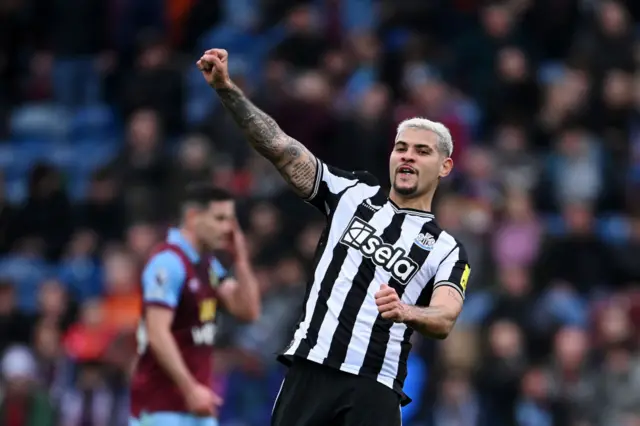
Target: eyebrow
pixel 418 146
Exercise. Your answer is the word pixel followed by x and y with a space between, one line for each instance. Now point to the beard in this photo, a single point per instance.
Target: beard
pixel 406 190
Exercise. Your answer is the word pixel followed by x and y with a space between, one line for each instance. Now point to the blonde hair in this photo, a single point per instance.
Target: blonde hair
pixel 445 141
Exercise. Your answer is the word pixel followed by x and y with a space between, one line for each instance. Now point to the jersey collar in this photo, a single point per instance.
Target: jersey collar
pixel 415 212
pixel 174 236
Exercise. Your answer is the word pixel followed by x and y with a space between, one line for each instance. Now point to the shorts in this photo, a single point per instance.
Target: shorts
pixel 172 419
pixel 316 395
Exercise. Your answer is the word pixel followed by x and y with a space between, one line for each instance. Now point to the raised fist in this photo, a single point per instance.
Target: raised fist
pixel 214 67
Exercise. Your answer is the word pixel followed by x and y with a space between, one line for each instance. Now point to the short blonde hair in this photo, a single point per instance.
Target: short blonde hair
pixel 445 141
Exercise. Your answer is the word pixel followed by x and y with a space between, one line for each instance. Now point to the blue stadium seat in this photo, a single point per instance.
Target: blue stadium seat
pixel 7 156
pixel 77 186
pixel 16 190
pixel 96 121
pixel 613 229
pixel 39 121
pixel 90 154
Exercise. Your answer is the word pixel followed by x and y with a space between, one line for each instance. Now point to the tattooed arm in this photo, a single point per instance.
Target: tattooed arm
pixel 294 162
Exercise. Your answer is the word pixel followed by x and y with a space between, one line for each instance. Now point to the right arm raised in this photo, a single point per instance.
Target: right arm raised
pixel 294 162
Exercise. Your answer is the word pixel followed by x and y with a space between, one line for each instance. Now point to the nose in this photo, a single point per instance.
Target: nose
pixel 407 157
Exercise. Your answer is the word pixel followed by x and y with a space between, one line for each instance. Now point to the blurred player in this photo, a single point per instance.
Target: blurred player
pixel 183 287
pixel 384 268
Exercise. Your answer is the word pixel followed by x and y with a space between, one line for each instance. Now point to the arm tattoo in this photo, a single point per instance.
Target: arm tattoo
pixel 294 162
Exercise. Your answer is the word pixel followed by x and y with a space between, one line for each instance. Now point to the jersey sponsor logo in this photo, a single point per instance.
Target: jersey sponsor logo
pixel 208 310
pixel 425 241
pixel 204 334
pixel 361 236
pixel 369 205
pixel 465 277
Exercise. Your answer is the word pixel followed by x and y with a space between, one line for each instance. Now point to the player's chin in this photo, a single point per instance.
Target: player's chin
pixel 405 188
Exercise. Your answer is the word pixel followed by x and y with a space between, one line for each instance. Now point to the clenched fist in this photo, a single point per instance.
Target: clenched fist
pixel 389 304
pixel 214 66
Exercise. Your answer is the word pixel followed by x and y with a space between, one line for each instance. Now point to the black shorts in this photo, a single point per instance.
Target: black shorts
pixel 316 395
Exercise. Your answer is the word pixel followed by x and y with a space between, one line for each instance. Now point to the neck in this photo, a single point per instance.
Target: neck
pixel 190 237
pixel 418 203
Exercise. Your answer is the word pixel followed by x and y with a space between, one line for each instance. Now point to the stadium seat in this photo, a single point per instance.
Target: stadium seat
pixel 613 229
pixel 92 122
pixel 16 190
pixel 39 121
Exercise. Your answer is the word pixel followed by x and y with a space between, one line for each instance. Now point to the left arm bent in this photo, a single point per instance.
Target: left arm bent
pixel 437 319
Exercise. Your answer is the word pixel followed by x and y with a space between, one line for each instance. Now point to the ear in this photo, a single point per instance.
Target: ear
pixel 446 167
pixel 190 215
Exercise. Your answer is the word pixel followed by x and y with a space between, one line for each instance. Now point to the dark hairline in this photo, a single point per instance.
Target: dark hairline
pixel 203 194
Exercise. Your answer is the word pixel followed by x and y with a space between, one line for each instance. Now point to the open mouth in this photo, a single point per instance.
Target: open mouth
pixel 406 170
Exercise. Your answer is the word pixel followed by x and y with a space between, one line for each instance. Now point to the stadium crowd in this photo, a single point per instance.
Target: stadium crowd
pixel 104 118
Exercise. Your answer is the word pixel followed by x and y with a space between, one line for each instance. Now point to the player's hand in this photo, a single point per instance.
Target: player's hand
pixel 389 305
pixel 238 244
pixel 214 65
pixel 202 401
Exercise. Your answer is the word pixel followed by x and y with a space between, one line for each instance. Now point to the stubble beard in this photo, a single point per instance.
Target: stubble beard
pixel 405 191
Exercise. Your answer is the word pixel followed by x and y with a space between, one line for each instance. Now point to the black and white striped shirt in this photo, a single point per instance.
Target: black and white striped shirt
pixel 369 241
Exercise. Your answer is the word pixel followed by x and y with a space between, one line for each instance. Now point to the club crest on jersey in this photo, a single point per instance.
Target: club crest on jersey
pixel 425 241
pixel 361 236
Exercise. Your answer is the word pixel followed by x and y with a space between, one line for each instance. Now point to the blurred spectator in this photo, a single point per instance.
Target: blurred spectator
pixel 46 213
pixel 517 238
pixel 626 267
pixel 47 349
pixel 155 83
pixel 15 326
pixel 80 268
pixel 121 303
pixel 504 364
pixel 537 406
pixel 8 215
pixel 23 402
pixel 579 258
pixel 89 338
pixel 516 164
pixel 90 401
pixel 142 165
pixel 73 37
pixel 140 239
pixel 194 165
pixel 458 402
pixel 304 45
pixel 54 305
pixel 102 211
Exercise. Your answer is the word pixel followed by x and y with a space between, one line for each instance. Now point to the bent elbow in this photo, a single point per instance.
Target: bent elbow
pixel 443 331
